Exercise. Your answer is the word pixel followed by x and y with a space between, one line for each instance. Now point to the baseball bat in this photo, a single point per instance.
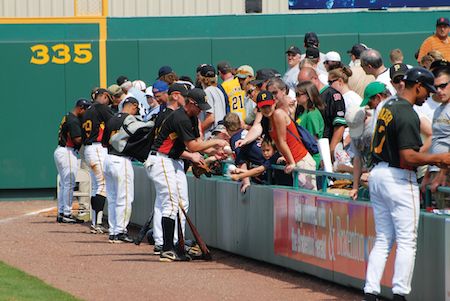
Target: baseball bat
pixel 143 231
pixel 198 238
pixel 180 235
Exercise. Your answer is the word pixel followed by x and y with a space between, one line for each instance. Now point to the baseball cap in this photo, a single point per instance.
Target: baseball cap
pixel 102 91
pixel 442 21
pixel 264 98
pixel 129 100
pixel 122 79
pixel 421 75
pixel 177 87
pixel 83 103
pixel 224 67
pixel 397 70
pixel 245 71
pixel 200 67
pixel 312 53
pixel 371 90
pixel 264 74
pixel 199 96
pixel 311 39
pixel 332 56
pixel 439 65
pixel 149 91
pixel 356 50
pixel 160 86
pixel 354 117
pixel 140 85
pixel 293 49
pixel 207 71
pixel 164 70
pixel 115 89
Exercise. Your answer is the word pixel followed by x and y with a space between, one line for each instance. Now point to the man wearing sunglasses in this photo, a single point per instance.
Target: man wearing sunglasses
pixel 441 133
pixel 394 192
pixel 177 137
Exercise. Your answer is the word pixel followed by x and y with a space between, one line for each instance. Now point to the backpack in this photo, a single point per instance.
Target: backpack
pixel 308 140
pixel 133 138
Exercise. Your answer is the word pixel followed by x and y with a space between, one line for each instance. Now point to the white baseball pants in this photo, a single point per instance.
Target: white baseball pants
pixel 119 176
pixel 95 156
pixel 171 189
pixel 394 194
pixel 67 166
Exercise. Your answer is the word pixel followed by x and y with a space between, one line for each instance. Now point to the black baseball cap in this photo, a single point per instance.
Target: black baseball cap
pixel 101 91
pixel 130 100
pixel 397 70
pixel 264 74
pixel 178 87
pixel 207 71
pixel 264 98
pixel 356 50
pixel 293 49
pixel 422 76
pixel 439 65
pixel 83 103
pixel 200 67
pixel 442 21
pixel 312 53
pixel 164 70
pixel 121 79
pixel 311 39
pixel 199 96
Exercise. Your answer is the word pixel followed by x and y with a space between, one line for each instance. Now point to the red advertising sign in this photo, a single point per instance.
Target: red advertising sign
pixel 328 233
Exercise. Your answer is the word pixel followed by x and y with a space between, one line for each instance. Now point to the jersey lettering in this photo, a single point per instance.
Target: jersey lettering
pixel 87 126
pixel 235 96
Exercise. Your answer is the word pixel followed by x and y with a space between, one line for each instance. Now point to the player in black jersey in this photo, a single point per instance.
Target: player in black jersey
pixel 178 132
pixel 93 125
pixel 69 140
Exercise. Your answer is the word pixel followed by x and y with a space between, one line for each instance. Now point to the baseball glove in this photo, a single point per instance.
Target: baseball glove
pixel 201 168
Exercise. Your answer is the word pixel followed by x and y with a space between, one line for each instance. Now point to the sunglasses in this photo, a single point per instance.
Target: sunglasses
pixel 330 82
pixel 442 86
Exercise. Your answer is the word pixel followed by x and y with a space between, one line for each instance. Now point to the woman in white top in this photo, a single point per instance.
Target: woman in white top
pixel 338 79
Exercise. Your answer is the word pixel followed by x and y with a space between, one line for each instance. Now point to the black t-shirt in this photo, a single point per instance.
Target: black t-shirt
pixel 69 128
pixel 397 128
pixel 279 177
pixel 177 128
pixel 93 123
pixel 334 112
pixel 112 127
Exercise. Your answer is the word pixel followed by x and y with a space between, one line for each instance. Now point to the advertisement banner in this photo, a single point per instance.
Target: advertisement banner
pixel 328 233
pixel 372 4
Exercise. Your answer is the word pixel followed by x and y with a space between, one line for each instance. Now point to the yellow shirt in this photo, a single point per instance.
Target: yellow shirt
pixel 235 97
pixel 434 43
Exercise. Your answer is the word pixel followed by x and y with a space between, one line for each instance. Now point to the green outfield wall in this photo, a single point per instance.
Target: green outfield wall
pixel 46 67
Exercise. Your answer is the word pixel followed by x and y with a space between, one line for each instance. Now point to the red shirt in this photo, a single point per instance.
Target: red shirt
pixel 295 144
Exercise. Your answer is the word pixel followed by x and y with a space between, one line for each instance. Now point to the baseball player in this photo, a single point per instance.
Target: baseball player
pixel 93 125
pixel 394 191
pixel 119 177
pixel 164 165
pixel 69 141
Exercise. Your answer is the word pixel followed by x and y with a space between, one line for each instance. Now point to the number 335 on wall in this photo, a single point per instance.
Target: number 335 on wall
pixel 61 54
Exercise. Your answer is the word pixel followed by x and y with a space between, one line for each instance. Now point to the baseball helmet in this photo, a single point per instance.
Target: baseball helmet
pixel 420 75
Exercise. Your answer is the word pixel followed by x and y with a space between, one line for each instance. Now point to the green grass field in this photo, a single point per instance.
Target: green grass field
pixel 16 285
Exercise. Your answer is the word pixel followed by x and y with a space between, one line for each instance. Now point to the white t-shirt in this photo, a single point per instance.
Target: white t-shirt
pixel 144 108
pixel 291 77
pixel 216 99
pixel 427 108
pixel 385 78
pixel 351 99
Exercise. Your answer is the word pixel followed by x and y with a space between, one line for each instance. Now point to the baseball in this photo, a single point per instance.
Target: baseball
pixel 231 168
pixel 227 150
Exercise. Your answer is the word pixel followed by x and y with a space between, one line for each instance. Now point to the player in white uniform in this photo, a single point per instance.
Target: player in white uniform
pixel 69 141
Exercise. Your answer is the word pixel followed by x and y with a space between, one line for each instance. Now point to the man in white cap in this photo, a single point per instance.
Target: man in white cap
pixel 332 61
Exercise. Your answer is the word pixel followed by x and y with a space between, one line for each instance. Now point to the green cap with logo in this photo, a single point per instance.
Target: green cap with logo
pixel 371 90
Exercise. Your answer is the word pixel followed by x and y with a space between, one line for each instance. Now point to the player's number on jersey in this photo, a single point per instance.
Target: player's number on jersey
pixel 61 54
pixel 87 126
pixel 379 148
pixel 237 102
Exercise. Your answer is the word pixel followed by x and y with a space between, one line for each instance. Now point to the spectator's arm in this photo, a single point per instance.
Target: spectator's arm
pixel 209 120
pixel 426 131
pixel 337 137
pixel 356 177
pixel 249 173
pixel 254 132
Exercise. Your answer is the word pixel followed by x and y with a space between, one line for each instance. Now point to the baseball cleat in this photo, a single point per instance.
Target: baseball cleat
pixel 370 297
pixel 170 256
pixel 124 237
pixel 398 297
pixel 111 239
pixel 98 229
pixel 157 250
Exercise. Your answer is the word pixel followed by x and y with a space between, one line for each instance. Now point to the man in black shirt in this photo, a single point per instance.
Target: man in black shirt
pixel 394 191
pixel 69 141
pixel 178 132
pixel 119 177
pixel 93 125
